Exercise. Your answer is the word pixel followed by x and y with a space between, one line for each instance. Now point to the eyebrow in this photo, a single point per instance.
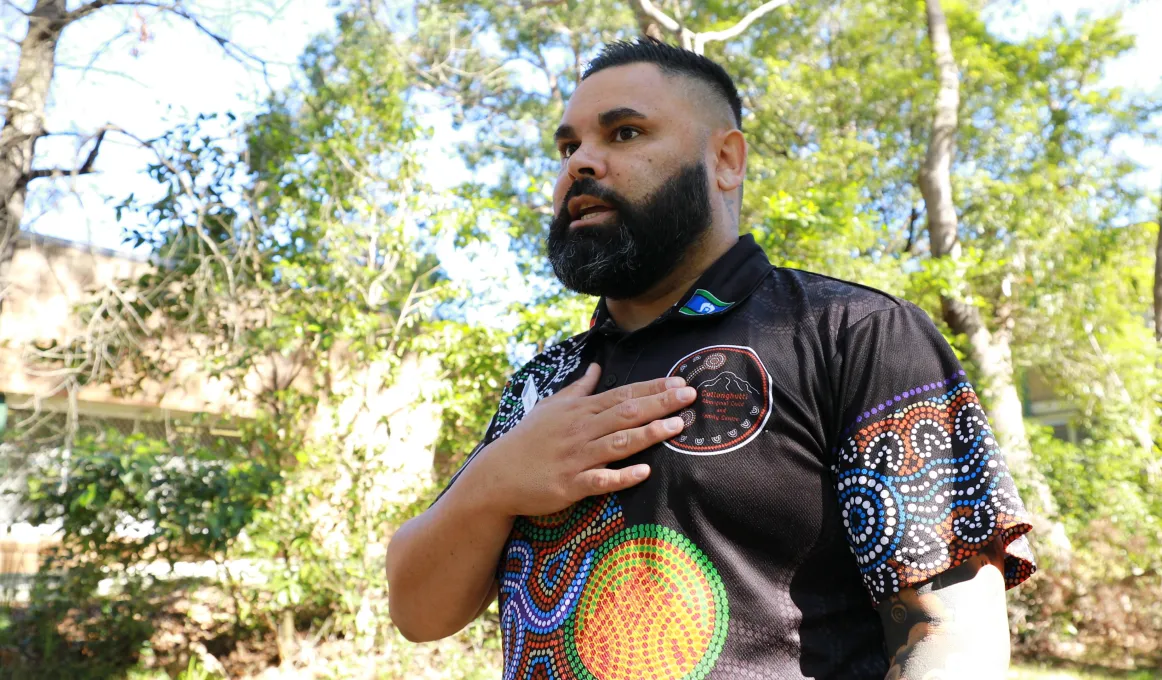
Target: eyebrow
pixel 617 115
pixel 563 132
pixel 604 119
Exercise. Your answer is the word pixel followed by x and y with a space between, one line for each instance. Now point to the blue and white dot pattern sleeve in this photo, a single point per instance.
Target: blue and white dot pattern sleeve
pixel 921 480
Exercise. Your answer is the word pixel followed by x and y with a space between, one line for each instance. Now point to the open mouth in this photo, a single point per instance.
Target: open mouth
pixel 587 210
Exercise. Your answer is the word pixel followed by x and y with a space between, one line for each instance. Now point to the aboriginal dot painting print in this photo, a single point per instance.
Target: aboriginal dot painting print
pixel 920 478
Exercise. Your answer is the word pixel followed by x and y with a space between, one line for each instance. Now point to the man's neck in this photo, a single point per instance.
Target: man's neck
pixel 639 312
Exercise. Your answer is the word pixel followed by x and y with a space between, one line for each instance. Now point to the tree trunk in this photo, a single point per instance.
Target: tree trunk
pixel 1154 467
pixel 1158 277
pixel 991 352
pixel 24 120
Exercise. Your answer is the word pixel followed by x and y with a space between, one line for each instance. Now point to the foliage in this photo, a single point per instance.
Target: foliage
pixel 474 367
pixel 1101 609
pixel 297 273
pixel 123 502
pixel 73 630
pixel 181 502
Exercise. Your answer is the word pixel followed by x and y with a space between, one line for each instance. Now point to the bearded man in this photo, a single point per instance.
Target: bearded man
pixel 740 470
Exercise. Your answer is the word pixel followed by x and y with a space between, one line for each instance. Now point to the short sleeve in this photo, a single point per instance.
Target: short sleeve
pixel 921 481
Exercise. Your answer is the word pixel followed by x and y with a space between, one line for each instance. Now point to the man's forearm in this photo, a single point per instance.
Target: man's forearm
pixel 951 627
pixel 950 653
pixel 441 565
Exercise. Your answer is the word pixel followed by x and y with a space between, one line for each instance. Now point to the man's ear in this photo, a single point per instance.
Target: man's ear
pixel 730 161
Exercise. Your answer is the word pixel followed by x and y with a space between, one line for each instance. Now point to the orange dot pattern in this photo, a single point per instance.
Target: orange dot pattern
pixel 652 607
pixel 583 597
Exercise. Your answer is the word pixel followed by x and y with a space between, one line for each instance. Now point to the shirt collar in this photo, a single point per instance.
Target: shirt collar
pixel 725 284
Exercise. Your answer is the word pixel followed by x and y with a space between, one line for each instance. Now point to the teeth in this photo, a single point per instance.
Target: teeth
pixel 591 210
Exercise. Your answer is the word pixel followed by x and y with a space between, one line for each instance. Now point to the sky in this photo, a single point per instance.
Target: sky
pixel 153 72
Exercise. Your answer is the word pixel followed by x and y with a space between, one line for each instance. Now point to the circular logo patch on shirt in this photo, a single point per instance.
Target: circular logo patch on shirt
pixel 734 399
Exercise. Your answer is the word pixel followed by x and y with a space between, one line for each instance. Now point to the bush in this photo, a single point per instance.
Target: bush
pixel 129 507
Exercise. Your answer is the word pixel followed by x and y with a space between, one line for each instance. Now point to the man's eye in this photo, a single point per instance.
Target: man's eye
pixel 568 150
pixel 627 133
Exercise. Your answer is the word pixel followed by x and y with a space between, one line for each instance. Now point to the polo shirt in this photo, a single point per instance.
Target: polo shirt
pixel 835 454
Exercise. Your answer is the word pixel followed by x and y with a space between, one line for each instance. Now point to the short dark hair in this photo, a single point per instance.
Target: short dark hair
pixel 672 61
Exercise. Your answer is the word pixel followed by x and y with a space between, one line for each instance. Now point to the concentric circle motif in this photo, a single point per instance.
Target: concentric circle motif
pixel 734 399
pixel 653 606
pixel 583 597
pixel 871 517
pixel 716 360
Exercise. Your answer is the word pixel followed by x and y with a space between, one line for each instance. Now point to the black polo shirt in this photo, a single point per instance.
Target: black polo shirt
pixel 835 454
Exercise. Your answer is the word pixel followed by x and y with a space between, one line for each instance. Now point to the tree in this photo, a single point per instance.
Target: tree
pixel 1026 245
pixel 296 268
pixel 26 100
pixel 1158 277
pixel 990 350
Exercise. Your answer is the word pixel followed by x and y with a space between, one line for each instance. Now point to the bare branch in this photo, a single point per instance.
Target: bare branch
pixel 229 46
pixel 85 169
pixel 95 5
pixel 659 16
pixel 696 42
pixel 100 51
pixel 700 39
pixel 17 7
pixel 89 68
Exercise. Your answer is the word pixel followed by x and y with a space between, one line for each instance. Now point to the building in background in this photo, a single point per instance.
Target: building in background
pixel 388 414
pixel 49 277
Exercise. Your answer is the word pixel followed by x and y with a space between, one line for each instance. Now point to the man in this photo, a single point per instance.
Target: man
pixel 738 465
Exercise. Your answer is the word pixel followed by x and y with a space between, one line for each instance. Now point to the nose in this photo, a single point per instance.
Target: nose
pixel 587 161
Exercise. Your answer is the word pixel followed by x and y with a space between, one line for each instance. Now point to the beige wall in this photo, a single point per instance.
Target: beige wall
pixel 48 278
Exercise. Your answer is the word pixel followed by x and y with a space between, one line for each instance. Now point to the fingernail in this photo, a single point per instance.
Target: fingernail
pixel 687 393
pixel 640 472
pixel 674 382
pixel 673 424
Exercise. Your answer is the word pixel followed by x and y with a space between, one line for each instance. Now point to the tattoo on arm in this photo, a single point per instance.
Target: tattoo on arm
pixel 952 626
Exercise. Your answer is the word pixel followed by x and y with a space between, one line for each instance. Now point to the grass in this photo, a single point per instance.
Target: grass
pixel 1063 673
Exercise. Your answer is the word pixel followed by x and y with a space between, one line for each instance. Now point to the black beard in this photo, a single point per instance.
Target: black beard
pixel 641 246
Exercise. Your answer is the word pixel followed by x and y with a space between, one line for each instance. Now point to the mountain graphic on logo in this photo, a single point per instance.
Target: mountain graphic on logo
pixel 728 381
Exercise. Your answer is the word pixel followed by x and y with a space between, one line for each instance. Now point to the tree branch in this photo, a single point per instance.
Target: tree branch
pixel 85 169
pixel 669 23
pixel 659 16
pixel 18 8
pixel 913 219
pixel 696 42
pixel 229 46
pixel 700 39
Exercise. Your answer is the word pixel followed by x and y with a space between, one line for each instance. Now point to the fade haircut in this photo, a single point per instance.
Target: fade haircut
pixel 672 61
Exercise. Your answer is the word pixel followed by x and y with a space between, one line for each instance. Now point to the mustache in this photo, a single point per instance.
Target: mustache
pixel 587 186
